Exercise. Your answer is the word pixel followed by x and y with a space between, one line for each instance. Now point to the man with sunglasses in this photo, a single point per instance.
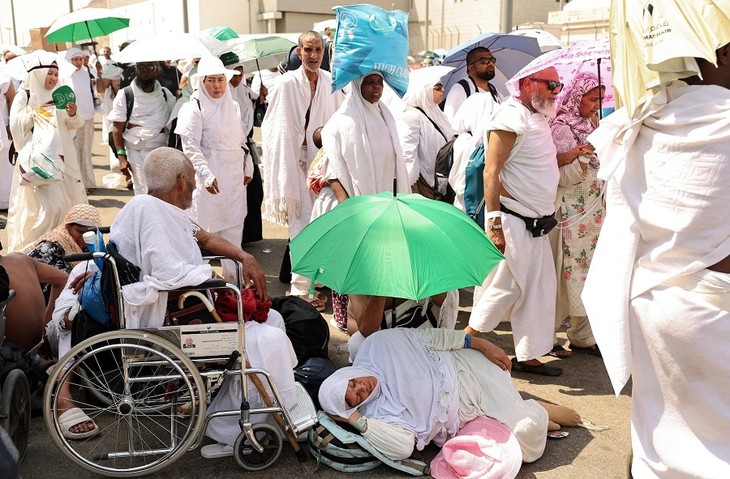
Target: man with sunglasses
pixel 520 183
pixel 480 68
pixel 139 131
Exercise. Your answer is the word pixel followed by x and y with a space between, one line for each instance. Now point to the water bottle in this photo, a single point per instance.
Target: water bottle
pixel 90 240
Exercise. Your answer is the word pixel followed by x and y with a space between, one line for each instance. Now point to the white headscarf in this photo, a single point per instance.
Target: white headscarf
pixel 35 83
pixel 73 52
pixel 427 406
pixel 223 115
pixel 420 95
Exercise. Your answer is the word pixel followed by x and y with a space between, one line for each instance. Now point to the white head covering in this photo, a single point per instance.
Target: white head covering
pixel 73 52
pixel 420 95
pixel 213 66
pixel 35 83
pixel 219 114
pixel 427 407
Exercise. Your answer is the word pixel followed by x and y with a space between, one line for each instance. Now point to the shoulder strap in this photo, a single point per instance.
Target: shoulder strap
pixel 129 97
pixel 432 122
pixel 494 93
pixel 465 85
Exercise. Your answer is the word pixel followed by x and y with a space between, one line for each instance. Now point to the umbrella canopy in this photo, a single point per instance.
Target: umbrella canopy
pixel 511 51
pixel 165 46
pixel 657 42
pixel 85 23
pixel 261 53
pixel 320 26
pixel 546 40
pixel 580 56
pixel 8 47
pixel 220 33
pixel 404 246
pixel 19 66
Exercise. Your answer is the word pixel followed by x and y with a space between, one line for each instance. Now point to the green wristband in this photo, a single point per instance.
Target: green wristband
pixel 360 423
pixel 122 152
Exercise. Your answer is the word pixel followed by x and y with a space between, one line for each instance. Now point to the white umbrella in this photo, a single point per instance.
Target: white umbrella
pixel 320 26
pixel 8 47
pixel 19 66
pixel 546 40
pixel 164 46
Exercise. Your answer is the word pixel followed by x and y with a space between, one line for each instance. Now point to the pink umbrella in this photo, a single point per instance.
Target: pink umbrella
pixel 580 56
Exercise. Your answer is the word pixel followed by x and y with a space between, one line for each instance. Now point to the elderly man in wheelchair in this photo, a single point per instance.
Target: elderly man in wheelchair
pixel 132 379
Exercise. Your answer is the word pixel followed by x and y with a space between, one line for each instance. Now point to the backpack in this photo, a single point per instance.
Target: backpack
pixel 442 191
pixel 129 100
pixel 306 328
pixel 343 449
pixel 474 187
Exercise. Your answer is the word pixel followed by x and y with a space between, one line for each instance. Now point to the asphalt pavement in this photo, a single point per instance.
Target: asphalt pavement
pixel 584 385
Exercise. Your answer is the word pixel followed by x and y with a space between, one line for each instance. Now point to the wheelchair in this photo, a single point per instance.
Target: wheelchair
pixel 147 390
pixel 20 374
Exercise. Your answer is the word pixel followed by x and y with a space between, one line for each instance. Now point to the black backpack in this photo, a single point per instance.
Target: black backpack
pixel 442 191
pixel 129 100
pixel 306 328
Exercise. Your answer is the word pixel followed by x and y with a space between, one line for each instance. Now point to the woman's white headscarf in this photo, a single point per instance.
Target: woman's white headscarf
pixel 352 138
pixel 221 113
pixel 35 83
pixel 420 95
pixel 417 389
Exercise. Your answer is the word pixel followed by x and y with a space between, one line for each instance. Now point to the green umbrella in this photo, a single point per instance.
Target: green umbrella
pixel 220 33
pixel 264 52
pixel 84 24
pixel 404 246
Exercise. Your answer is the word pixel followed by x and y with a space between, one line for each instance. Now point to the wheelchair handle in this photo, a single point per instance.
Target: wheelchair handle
pixel 71 258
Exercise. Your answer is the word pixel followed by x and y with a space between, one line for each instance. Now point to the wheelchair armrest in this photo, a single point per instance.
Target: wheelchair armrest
pixel 207 284
pixel 72 258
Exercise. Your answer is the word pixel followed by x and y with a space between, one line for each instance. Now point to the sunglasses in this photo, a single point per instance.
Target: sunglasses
pixel 551 84
pixel 485 61
pixel 146 67
pixel 438 87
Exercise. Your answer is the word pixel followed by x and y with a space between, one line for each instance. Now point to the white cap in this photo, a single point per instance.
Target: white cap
pixel 211 65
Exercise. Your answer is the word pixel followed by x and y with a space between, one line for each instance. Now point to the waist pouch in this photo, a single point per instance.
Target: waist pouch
pixel 537 226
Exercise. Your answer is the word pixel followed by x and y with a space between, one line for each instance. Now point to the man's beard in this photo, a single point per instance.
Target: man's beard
pixel 543 105
pixel 487 75
pixel 146 84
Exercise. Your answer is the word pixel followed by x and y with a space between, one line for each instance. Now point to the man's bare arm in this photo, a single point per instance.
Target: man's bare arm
pixel 367 311
pixel 56 278
pixel 500 144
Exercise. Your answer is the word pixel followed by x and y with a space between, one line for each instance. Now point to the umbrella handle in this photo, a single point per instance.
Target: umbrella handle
pixel 93 45
pixel 258 70
pixel 600 97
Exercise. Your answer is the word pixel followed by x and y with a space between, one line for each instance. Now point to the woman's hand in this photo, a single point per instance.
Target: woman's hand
pixel 71 109
pixel 213 188
pixel 79 281
pixel 246 180
pixel 492 352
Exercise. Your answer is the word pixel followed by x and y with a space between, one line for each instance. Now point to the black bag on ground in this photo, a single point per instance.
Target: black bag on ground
pixel 306 328
pixel 312 373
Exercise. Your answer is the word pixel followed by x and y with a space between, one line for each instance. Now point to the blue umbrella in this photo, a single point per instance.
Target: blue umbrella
pixel 512 53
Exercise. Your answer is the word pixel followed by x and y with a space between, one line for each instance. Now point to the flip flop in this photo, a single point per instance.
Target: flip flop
pixel 560 352
pixel 215 451
pixel 542 369
pixel 74 417
pixel 318 302
pixel 592 350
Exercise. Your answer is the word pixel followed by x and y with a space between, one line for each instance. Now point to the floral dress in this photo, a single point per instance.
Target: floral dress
pixel 579 203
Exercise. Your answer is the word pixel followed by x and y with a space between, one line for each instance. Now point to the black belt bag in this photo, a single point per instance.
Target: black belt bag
pixel 537 226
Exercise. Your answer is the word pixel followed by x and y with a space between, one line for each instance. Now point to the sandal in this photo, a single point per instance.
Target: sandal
pixel 592 350
pixel 76 417
pixel 318 302
pixel 559 352
pixel 542 369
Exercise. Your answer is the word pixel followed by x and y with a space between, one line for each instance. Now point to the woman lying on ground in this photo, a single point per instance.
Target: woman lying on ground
pixel 402 390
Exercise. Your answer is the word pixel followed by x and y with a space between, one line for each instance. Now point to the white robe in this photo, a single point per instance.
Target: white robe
pixel 144 232
pixel 522 288
pixel 6 169
pixel 283 134
pixel 664 320
pixel 35 210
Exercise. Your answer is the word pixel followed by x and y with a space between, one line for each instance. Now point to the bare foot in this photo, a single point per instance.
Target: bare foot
pixel 553 426
pixel 561 415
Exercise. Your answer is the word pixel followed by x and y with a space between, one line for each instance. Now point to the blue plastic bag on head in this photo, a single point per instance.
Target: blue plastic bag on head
pixel 371 39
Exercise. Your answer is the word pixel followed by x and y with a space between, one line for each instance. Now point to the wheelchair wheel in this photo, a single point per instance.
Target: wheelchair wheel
pixel 155 409
pixel 252 460
pixel 15 409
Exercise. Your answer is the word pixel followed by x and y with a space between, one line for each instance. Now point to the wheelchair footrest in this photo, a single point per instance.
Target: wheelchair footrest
pixel 303 414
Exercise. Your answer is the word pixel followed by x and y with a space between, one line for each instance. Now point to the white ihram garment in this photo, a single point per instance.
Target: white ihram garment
pixel 664 321
pixel 522 288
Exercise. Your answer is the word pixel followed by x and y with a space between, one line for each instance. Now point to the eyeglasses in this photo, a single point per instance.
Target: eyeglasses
pixel 485 61
pixel 148 67
pixel 551 84
pixel 438 87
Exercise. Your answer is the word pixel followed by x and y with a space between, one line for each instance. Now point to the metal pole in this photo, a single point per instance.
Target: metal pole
pixel 12 12
pixel 427 20
pixel 186 26
pixel 506 16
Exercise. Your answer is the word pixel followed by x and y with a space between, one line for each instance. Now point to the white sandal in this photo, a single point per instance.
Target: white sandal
pixel 74 417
